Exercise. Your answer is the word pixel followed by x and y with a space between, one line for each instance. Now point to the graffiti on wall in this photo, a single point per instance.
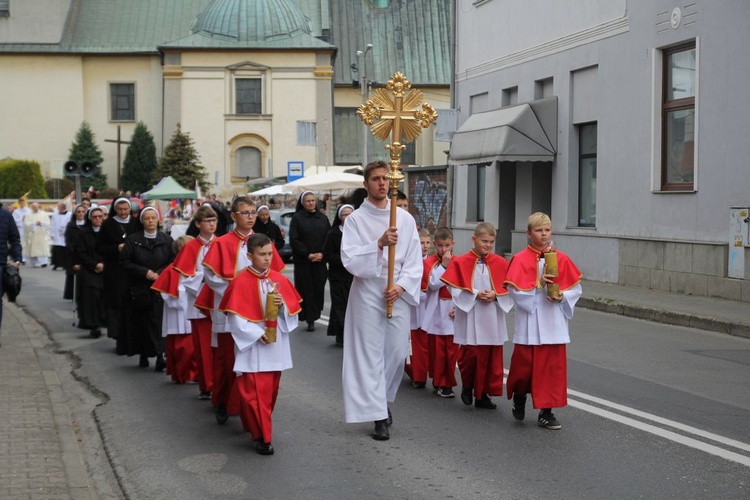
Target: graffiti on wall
pixel 428 198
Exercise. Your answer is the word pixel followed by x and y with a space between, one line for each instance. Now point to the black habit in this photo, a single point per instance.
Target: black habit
pixel 307 234
pixel 72 231
pixel 270 229
pixel 340 281
pixel 113 233
pixel 90 298
pixel 140 330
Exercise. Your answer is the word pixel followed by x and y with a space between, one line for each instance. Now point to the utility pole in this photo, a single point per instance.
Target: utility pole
pixel 364 87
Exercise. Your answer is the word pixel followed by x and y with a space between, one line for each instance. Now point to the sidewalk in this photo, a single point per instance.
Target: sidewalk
pixel 706 313
pixel 40 457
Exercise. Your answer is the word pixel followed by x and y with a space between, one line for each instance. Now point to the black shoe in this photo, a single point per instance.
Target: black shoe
pixel 389 420
pixel 264 448
pixel 339 342
pixel 381 430
pixel 54 268
pixel 446 392
pixel 519 406
pixel 310 326
pixel 221 414
pixel 143 362
pixel 418 385
pixel 547 419
pixel 95 333
pixel 485 402
pixel 160 364
pixel 44 265
pixel 467 396
pixel 204 395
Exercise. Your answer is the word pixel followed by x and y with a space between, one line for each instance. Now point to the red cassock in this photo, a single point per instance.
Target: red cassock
pixel 222 260
pixel 442 352
pixel 481 366
pixel 181 364
pixel 257 391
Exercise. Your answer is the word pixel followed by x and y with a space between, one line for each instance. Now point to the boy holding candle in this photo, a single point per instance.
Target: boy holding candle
pixel 261 307
pixel 538 365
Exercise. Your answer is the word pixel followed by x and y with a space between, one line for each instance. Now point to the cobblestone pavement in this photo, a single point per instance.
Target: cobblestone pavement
pixel 40 455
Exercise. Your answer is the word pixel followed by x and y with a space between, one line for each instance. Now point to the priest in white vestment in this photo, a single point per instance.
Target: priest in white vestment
pixel 36 231
pixel 19 213
pixel 376 347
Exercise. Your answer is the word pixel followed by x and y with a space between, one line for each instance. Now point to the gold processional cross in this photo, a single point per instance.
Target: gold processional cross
pixel 397 111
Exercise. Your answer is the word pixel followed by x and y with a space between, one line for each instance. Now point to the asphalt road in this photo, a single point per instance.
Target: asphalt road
pixel 655 412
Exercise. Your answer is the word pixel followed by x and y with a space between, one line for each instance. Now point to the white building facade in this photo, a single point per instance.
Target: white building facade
pixel 622 119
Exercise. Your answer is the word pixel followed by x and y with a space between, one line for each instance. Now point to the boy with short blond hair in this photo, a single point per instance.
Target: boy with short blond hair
pixel 438 316
pixel 476 280
pixel 538 365
pixel 417 367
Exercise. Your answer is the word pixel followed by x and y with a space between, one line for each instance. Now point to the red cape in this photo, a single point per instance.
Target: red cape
pixel 460 272
pixel 167 282
pixel 431 263
pixel 186 261
pixel 523 270
pixel 242 296
pixel 222 257
pixel 205 299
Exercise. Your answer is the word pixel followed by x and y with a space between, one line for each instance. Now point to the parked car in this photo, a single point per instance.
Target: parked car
pixel 283 218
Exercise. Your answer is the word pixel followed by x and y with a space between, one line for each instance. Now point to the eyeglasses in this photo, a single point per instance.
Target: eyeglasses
pixel 208 221
pixel 97 216
pixel 247 214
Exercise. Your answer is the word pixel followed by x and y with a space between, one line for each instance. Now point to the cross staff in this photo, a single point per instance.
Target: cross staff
pixel 402 117
pixel 119 143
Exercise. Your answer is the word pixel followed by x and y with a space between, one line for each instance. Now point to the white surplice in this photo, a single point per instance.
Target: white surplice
pixel 174 320
pixel 58 223
pixel 437 320
pixel 480 323
pixel 219 286
pixel 376 347
pixel 540 321
pixel 251 356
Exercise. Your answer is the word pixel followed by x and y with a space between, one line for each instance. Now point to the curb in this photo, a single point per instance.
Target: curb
pixel 662 316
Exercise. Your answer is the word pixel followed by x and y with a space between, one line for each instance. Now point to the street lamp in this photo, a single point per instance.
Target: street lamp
pixel 363 85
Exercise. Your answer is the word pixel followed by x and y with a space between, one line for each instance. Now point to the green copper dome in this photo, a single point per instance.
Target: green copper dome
pixel 251 20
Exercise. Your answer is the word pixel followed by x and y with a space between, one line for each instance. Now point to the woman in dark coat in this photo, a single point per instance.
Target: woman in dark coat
pixel 72 230
pixel 340 281
pixel 115 229
pixel 145 254
pixel 90 299
pixel 307 233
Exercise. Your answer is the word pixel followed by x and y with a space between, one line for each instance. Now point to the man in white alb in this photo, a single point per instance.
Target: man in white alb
pixel 376 347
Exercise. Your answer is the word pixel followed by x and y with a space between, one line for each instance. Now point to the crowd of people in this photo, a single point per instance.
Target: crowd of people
pixel 213 307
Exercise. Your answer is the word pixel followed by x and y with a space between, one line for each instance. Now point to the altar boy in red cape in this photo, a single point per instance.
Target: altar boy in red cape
pixel 189 264
pixel 538 365
pixel 259 360
pixel 227 257
pixel 476 280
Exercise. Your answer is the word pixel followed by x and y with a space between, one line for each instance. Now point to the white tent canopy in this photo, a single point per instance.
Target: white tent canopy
pixel 327 181
pixel 271 190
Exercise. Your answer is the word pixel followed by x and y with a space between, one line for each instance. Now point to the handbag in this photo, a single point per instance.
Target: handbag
pixel 141 298
pixel 11 282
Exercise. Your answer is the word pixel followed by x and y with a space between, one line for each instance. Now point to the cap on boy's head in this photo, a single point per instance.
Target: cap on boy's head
pixel 424 233
pixel 538 219
pixel 443 233
pixel 257 240
pixel 485 228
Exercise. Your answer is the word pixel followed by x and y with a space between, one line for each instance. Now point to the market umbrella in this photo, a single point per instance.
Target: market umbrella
pixel 271 190
pixel 168 189
pixel 327 181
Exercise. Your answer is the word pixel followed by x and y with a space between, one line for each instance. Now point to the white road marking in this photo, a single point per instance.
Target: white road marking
pixel 658 431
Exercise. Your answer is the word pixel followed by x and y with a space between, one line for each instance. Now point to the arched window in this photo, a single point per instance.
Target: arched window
pixel 248 163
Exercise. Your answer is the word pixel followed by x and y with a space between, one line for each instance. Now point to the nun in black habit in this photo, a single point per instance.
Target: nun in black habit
pixel 72 231
pixel 307 234
pixel 90 299
pixel 339 279
pixel 118 226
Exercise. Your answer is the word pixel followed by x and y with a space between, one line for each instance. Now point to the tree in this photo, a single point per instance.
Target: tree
pixel 85 149
pixel 181 162
pixel 140 161
pixel 18 177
